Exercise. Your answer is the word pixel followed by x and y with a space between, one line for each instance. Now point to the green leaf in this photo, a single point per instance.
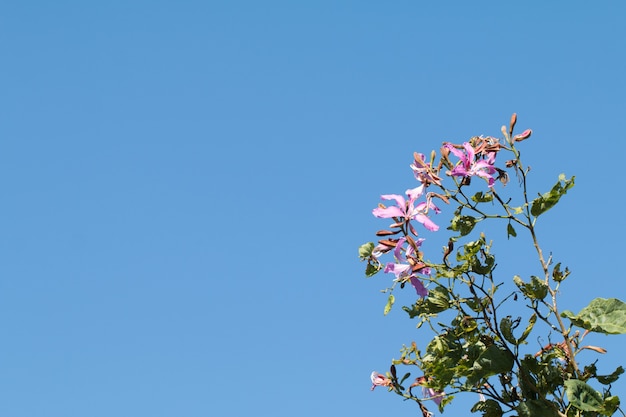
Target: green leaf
pixel 438 299
pixel 536 289
pixel 548 200
pixel 536 408
pixel 371 270
pixel 506 327
pixel 531 323
pixel 559 275
pixel 481 197
pixel 488 408
pixel 582 396
pixel 365 250
pixel 602 315
pixel 389 304
pixel 408 374
pixel 462 224
pixel 610 405
pixel 492 361
pixel 609 379
pixel 510 231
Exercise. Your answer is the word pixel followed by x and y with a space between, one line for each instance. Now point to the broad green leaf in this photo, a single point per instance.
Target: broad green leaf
pixel 389 304
pixel 536 408
pixel 610 405
pixel 488 408
pixel 601 315
pixel 462 224
pixel 506 327
pixel 365 250
pixel 536 289
pixel 548 200
pixel 582 396
pixel 492 361
pixel 438 299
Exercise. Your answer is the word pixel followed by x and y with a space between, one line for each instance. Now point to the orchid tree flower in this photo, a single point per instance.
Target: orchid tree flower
pixel 379 380
pixel 428 392
pixel 469 166
pixel 404 271
pixel 408 210
pixel 423 171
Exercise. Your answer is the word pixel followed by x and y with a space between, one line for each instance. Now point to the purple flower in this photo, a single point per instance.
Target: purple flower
pixel 419 287
pixel 429 393
pixel 408 210
pixel 469 166
pixel 401 271
pixel 437 397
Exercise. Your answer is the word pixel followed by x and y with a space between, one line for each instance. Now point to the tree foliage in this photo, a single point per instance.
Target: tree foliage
pixel 477 344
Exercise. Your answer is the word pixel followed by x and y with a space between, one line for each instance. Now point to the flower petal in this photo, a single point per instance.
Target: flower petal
pixel 388 212
pixel 419 287
pixel 428 224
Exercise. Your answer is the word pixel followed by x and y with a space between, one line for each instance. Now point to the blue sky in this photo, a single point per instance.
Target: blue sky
pixel 185 185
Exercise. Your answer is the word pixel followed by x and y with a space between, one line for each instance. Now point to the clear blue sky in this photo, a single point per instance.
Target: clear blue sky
pixel 184 186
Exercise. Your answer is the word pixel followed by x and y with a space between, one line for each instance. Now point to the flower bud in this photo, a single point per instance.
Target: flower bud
pixel 595 348
pixel 444 151
pixel 512 123
pixel 523 136
pixel 388 243
pixel 392 370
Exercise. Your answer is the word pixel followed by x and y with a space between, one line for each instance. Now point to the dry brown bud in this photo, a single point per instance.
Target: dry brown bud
pixel 388 243
pixel 418 266
pixel 386 233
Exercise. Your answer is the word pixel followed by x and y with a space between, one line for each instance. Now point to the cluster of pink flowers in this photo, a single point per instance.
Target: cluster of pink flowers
pixel 380 380
pixel 407 263
pixel 473 161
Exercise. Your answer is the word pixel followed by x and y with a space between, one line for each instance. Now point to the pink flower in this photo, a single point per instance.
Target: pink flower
pixel 379 380
pixel 404 271
pixel 429 393
pixel 419 287
pixel 408 210
pixel 469 166
pixel 423 171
